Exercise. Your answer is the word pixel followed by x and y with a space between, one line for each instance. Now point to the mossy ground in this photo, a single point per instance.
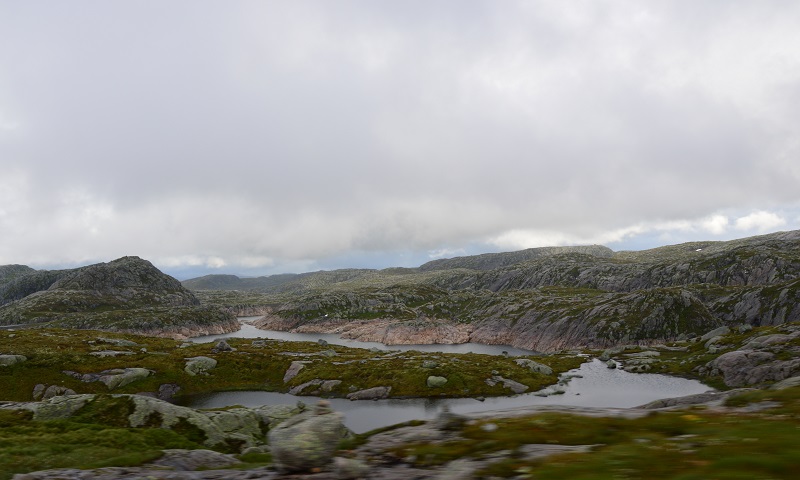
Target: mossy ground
pixel 253 367
pixel 27 445
pixel 687 444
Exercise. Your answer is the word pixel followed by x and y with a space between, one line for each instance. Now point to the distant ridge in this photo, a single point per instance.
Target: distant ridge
pixel 126 294
pixel 490 261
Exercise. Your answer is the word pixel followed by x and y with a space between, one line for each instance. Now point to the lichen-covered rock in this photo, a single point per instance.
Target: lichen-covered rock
pixel 534 366
pixel 308 440
pixel 124 376
pixel 199 365
pixel 8 360
pixel 435 381
pixel 293 370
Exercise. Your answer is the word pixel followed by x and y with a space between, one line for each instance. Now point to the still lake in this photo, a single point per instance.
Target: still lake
pixel 596 386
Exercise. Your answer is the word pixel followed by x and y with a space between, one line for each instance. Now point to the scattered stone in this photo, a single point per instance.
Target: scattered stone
pixel 322 342
pixel 120 342
pixel 38 391
pixel 717 332
pixel 436 382
pixel 293 370
pixel 166 391
pixel 8 360
pixel 222 346
pixel 259 343
pixel 199 365
pixel 611 364
pixel 110 353
pixel 535 367
pixel 374 393
pixel 308 440
pixel 515 386
pixel 55 391
pixel 430 364
pixel 43 392
pixel 328 353
pixel 786 383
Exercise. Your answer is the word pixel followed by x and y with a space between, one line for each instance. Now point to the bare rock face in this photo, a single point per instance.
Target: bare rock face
pixel 308 440
pixel 748 367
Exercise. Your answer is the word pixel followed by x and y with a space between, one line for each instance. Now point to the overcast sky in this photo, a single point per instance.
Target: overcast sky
pixel 259 137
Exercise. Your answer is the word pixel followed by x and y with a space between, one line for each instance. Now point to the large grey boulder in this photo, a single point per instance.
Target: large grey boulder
pixel 199 365
pixel 436 381
pixel 308 440
pixel 8 360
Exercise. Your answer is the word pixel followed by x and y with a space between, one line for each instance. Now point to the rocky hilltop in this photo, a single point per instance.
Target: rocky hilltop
pixel 542 299
pixel 127 294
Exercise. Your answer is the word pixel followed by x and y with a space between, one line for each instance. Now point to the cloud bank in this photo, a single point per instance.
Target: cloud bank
pixel 277 136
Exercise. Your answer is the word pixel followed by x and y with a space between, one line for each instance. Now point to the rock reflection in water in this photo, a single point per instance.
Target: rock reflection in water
pixel 249 331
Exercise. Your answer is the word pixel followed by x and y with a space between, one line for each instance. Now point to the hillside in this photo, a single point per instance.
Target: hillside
pixel 127 294
pixel 550 299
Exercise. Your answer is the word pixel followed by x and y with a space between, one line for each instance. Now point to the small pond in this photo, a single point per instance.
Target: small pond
pixel 595 386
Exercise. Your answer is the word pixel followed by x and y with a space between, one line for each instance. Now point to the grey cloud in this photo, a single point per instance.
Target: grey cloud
pixel 299 131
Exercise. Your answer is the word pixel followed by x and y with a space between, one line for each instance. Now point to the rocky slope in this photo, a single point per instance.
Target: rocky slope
pixel 127 294
pixel 544 299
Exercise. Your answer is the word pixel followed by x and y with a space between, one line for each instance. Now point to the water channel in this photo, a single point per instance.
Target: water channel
pixel 595 386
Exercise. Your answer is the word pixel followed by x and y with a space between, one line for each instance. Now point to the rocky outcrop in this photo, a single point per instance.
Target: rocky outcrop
pixel 127 295
pixel 758 361
pixel 234 428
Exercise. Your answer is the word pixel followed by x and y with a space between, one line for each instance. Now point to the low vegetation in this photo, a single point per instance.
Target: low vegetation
pixel 254 365
pixel 697 443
